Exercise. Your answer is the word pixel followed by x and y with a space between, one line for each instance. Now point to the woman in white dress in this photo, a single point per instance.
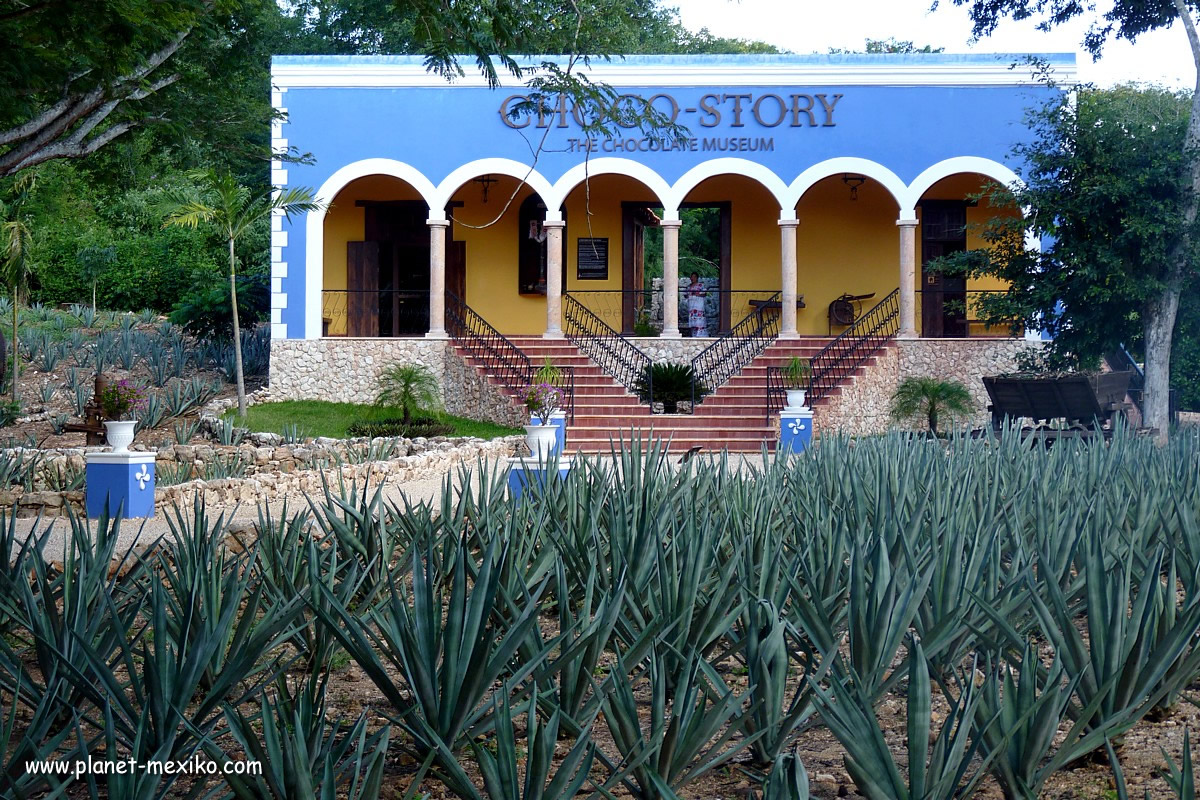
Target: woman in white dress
pixel 697 320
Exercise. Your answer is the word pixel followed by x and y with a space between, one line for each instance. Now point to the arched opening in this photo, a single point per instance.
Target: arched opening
pixel 951 219
pixel 375 273
pixel 846 250
pixel 729 241
pixel 500 272
pixel 608 252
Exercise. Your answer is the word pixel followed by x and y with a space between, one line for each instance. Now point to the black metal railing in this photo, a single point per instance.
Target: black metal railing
pixel 500 358
pixel 958 314
pixel 776 390
pixel 734 350
pixel 639 312
pixel 610 351
pixel 375 312
pixel 847 352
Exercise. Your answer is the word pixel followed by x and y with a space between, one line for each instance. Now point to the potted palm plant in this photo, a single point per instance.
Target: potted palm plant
pixel 796 376
pixel 542 400
pixel 118 401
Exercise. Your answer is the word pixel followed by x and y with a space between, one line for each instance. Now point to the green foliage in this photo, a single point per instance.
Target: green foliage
pixel 669 384
pixel 205 311
pixel 409 387
pixel 392 427
pixel 932 399
pixel 1099 160
pixel 797 372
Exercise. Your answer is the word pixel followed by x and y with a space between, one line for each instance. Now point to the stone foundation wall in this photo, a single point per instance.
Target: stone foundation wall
pixel 469 394
pixel 862 407
pixel 680 351
pixel 344 370
pixel 965 361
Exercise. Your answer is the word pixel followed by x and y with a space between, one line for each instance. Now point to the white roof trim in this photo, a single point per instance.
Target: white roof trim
pixel 397 76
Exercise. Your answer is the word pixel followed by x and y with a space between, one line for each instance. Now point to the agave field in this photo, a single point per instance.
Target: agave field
pixel 62 350
pixel 947 619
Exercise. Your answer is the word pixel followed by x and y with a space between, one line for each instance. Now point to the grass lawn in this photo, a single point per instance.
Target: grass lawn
pixel 319 418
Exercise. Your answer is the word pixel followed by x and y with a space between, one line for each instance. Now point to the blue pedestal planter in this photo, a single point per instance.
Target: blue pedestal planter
pixel 559 420
pixel 526 472
pixel 119 483
pixel 795 430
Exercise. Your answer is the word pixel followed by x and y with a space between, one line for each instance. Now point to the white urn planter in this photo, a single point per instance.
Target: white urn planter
pixel 541 440
pixel 119 434
pixel 796 398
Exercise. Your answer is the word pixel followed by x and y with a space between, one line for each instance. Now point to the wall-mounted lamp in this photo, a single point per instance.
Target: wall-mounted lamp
pixel 854 181
pixel 486 181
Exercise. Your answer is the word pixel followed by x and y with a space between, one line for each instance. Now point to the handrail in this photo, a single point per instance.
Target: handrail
pixel 501 359
pixel 613 353
pixel 847 352
pixel 735 349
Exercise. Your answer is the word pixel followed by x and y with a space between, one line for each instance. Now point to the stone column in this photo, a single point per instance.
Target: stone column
pixel 437 277
pixel 787 249
pixel 908 277
pixel 554 271
pixel 670 284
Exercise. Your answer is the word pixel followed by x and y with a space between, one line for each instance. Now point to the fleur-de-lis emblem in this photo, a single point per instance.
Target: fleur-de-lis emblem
pixel 142 478
pixel 795 426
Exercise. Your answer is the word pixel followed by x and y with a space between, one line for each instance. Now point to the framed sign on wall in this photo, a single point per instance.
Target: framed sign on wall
pixel 592 259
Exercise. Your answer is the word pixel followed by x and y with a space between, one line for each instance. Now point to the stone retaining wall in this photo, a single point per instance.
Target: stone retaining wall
pixel 862 407
pixel 272 470
pixel 343 370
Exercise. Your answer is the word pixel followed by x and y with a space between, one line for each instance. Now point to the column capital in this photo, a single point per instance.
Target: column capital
pixel 554 223
pixel 789 223
pixel 670 223
pixel 907 223
pixel 438 222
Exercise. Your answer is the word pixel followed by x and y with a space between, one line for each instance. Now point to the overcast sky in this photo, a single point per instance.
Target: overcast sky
pixel 813 26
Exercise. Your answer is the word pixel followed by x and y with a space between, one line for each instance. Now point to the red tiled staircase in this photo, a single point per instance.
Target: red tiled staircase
pixel 732 418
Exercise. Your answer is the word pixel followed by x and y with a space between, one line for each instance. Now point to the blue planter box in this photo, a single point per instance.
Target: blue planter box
pixel 119 483
pixel 795 430
pixel 526 472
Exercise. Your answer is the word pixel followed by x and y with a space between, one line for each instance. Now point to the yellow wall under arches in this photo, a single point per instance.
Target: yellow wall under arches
pixel 843 245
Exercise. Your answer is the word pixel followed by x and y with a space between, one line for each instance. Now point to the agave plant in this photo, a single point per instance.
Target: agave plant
pixel 301 753
pixel 694 725
pixel 787 780
pixel 448 662
pixel 935 771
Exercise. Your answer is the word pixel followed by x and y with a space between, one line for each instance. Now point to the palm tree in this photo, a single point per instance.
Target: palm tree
pixel 233 209
pixel 16 241
pixel 932 398
pixel 409 386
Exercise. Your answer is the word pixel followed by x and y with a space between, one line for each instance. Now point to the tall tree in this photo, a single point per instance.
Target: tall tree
pixel 233 209
pixel 15 244
pixel 1128 19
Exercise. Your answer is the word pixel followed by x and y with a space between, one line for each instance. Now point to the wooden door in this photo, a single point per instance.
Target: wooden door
pixel 943 297
pixel 456 269
pixel 362 288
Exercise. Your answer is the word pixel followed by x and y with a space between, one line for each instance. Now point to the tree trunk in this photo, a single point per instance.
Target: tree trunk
pixel 237 334
pixel 16 349
pixel 1161 311
pixel 1158 328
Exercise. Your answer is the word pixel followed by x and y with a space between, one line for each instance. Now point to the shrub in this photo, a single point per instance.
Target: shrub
pixel 205 311
pixel 411 428
pixel 931 398
pixel 409 387
pixel 670 384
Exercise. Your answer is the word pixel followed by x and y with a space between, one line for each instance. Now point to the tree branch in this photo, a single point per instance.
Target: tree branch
pixel 90 109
